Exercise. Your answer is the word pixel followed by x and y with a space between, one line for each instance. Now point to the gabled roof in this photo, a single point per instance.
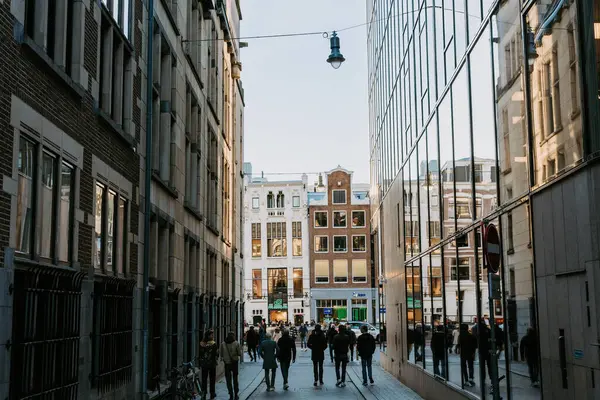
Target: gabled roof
pixel 339 169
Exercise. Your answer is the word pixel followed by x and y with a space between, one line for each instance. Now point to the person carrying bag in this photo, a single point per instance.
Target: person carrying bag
pixel 231 352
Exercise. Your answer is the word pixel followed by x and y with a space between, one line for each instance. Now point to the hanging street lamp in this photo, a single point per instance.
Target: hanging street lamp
pixel 335 58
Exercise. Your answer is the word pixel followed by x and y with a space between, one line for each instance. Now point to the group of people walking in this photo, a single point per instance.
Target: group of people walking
pixel 230 351
pixel 340 343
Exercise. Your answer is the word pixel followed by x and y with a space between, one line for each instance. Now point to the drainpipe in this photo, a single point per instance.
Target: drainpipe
pixel 147 204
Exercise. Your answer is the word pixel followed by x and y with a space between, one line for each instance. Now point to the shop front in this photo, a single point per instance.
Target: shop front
pixel 277 303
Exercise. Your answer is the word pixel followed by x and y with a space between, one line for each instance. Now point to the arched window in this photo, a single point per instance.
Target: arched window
pixel 280 200
pixel 270 200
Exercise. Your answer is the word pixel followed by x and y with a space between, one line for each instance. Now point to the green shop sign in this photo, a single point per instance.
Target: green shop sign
pixel 410 303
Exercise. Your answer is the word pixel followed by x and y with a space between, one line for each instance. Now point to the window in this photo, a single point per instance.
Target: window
pixel 462 173
pixel 434 229
pixel 110 230
pixel 321 244
pixel 193 47
pixel 193 163
pixel 321 271
pixel 297 238
pixel 574 83
pixel 359 271
pixel 270 200
pixel 116 69
pixel 478 206
pixel 56 221
pixel 462 209
pixel 509 223
pixel 296 201
pixel 212 180
pixel 435 282
pixel 320 219
pixel 339 219
pixel 280 200
pixel 359 243
pixel 276 239
pixel 225 200
pixel 340 244
pixel 340 271
pixel 478 173
pixel 358 219
pixel 462 241
pixel 256 284
pixel 50 25
pixel 338 196
pixel 297 283
pixel 213 68
pixel 506 139
pixel 255 202
pixel 464 269
pixel 256 240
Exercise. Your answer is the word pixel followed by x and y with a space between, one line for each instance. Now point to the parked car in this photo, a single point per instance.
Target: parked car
pixel 355 326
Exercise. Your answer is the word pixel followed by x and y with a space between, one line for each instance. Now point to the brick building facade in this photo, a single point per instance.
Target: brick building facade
pixel 73 79
pixel 340 250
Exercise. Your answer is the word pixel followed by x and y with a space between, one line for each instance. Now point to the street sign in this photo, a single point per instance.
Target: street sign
pixel 491 248
pixel 382 310
pixel 328 311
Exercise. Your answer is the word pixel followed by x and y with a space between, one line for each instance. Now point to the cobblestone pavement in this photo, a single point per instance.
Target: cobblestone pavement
pixel 386 387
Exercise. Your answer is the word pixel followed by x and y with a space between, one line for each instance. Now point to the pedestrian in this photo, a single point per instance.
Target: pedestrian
pixel 468 349
pixel 438 348
pixel 231 352
pixel 352 337
pixel 455 336
pixel 529 351
pixel 262 331
pixel 208 359
pixel 303 333
pixel 252 343
pixel 341 345
pixel 277 334
pixel 287 355
pixel 419 343
pixel 268 352
pixel 317 343
pixel 365 347
pixel 330 335
pixel 293 332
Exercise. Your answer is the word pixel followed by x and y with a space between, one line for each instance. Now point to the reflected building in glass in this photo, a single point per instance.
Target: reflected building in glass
pixel 479 115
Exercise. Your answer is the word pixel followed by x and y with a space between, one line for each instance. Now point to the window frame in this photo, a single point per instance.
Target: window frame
pixel 340 236
pixel 294 199
pixel 326 219
pixel 315 246
pixel 366 271
pixel 296 236
pixel 256 234
pixel 254 279
pixel 333 191
pixel 346 276
pixel 340 212
pixel 364 218
pixel 359 251
pixel 321 276
pixel 257 203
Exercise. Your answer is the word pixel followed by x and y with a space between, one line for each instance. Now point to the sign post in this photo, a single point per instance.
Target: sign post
pixel 491 253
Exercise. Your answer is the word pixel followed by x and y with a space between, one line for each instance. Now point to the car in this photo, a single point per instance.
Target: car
pixel 355 326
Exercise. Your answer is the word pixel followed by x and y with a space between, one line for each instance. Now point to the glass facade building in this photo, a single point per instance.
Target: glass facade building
pixel 486 112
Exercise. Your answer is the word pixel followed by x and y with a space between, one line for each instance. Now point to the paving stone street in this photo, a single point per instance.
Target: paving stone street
pixel 252 385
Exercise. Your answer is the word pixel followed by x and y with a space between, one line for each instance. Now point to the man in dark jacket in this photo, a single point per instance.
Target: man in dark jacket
pixel 529 351
pixel 317 343
pixel 352 337
pixel 303 333
pixel 287 354
pixel 252 343
pixel 365 347
pixel 330 335
pixel 438 348
pixel 468 347
pixel 341 345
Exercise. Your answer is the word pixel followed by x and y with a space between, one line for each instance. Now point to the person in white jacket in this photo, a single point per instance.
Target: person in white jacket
pixel 231 352
pixel 455 336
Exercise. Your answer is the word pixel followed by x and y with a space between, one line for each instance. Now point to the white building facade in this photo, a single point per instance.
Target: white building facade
pixel 276 267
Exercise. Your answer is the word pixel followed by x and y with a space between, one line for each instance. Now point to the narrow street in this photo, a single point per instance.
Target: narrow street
pixel 252 385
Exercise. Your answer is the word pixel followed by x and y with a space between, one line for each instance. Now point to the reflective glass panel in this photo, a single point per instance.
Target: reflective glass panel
pixel 26 166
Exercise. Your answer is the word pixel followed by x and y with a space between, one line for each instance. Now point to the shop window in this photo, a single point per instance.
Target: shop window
pixel 297 283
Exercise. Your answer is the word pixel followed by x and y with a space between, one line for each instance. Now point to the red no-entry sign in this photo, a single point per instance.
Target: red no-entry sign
pixel 491 248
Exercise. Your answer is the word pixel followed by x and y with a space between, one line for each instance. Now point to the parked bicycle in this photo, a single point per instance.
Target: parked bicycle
pixel 187 385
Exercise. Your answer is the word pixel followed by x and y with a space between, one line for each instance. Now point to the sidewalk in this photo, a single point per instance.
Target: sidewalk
pixel 386 386
pixel 250 376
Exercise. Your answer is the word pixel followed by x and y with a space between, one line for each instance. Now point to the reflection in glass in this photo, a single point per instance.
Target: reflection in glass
pixel 447 165
pixel 110 222
pixel 414 304
pixel 510 106
pixel 66 225
pixel 48 176
pixel 423 191
pixel 98 225
pixel 26 166
pixel 121 239
pixel 556 120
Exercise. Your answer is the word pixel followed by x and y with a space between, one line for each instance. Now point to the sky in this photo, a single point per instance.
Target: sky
pixel 302 115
